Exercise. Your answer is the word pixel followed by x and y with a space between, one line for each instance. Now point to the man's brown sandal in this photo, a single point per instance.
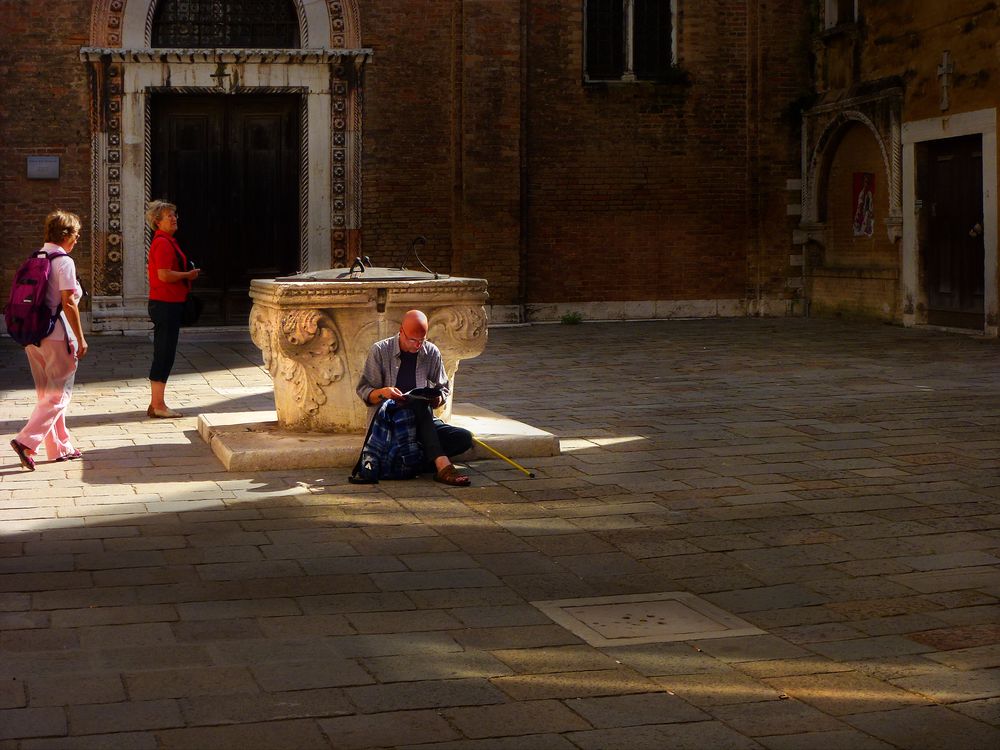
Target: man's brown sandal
pixel 449 475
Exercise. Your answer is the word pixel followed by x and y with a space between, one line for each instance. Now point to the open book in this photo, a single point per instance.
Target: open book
pixel 431 395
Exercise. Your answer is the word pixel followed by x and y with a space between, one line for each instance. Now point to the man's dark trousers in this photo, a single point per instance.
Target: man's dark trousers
pixel 438 438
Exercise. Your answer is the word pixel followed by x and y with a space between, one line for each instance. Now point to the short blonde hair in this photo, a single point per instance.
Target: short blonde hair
pixel 156 209
pixel 61 224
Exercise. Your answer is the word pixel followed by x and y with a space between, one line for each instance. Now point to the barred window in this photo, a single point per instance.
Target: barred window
pixel 628 40
pixel 841 11
pixel 254 24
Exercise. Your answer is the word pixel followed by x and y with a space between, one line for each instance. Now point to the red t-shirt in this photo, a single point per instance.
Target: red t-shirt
pixel 163 253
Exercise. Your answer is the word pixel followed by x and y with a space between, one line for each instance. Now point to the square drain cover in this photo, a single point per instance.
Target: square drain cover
pixel 644 618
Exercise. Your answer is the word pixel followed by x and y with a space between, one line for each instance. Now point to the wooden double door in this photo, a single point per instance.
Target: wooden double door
pixel 950 190
pixel 231 164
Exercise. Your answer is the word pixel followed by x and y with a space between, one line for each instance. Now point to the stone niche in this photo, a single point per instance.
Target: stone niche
pixel 315 331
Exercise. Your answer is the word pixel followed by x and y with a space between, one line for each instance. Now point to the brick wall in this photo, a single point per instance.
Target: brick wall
pixel 783 49
pixel 480 134
pixel 44 111
pixel 407 162
pixel 650 191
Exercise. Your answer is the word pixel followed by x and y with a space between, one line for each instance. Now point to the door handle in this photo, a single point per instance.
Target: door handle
pixel 977 230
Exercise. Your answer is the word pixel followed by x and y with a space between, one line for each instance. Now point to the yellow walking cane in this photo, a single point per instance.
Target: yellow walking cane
pixel 498 454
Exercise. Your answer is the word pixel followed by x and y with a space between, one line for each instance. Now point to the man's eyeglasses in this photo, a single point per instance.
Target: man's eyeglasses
pixel 415 342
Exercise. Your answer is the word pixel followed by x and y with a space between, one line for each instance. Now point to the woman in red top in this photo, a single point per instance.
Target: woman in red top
pixel 169 284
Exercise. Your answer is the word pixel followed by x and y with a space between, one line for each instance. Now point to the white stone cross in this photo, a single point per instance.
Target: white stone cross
pixel 944 71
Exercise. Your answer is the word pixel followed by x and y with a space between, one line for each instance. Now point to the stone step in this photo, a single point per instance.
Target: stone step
pixel 253 441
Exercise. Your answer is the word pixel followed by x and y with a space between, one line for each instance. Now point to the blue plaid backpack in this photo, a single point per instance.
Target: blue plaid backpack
pixel 391 449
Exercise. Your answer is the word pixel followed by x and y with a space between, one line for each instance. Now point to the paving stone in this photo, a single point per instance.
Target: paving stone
pixel 210 610
pixel 443 579
pixel 152 657
pixel 986 711
pixel 12 694
pixel 570 544
pixel 247 708
pixel 308 675
pixel 787 667
pixel 402 622
pixel 116 741
pixel 523 718
pixel 717 688
pixel 527 636
pixel 768 597
pixel 76 688
pixel 978 657
pixel 302 625
pixel 404 696
pixel 653 659
pixel 499 616
pixel 124 717
pixel 94 616
pixel 540 587
pixel 958 637
pixel 518 563
pixel 387 730
pixel 201 631
pixel 632 710
pixel 954 687
pixel 351 646
pixel 279 735
pixel 616 681
pixel 521 742
pixel 774 718
pixel 139 634
pixel 845 692
pixel 39 640
pixel 847 738
pixel 933 727
pixel 357 602
pixel 695 736
pixel 435 666
pixel 750 648
pixel 869 648
pixel 184 683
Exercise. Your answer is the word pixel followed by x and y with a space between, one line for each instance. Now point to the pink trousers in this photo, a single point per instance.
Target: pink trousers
pixel 54 369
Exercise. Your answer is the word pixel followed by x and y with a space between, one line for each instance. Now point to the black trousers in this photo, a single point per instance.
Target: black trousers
pixel 166 317
pixel 436 437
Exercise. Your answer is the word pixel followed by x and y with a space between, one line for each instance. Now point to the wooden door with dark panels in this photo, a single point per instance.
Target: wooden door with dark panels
pixel 950 190
pixel 231 164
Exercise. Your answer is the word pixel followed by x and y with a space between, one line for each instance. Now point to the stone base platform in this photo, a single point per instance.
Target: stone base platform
pixel 252 441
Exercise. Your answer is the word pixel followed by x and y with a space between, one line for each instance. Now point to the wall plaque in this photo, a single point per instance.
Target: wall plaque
pixel 43 167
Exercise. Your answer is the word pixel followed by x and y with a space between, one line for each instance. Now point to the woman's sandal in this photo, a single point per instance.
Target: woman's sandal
pixel 22 453
pixel 449 475
pixel 163 413
pixel 71 456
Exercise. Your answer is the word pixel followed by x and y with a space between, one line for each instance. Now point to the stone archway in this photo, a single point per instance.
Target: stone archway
pixel 822 128
pixel 326 71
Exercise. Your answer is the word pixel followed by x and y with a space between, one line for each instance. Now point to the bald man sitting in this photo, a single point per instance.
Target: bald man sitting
pixel 406 361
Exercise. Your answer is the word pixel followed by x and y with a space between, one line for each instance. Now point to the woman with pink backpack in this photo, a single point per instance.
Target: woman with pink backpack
pixel 53 360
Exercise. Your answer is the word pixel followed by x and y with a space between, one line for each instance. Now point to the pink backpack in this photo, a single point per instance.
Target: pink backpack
pixel 28 317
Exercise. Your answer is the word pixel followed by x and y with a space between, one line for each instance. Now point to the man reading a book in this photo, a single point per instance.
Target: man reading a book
pixel 408 363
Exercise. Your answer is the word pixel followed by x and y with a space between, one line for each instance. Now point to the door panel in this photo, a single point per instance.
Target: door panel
pixel 231 164
pixel 952 252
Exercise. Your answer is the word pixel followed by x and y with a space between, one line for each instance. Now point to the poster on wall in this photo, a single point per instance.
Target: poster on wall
pixel 864 204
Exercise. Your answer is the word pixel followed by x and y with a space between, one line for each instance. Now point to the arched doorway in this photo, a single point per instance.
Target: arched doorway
pixel 230 161
pixel 287 114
